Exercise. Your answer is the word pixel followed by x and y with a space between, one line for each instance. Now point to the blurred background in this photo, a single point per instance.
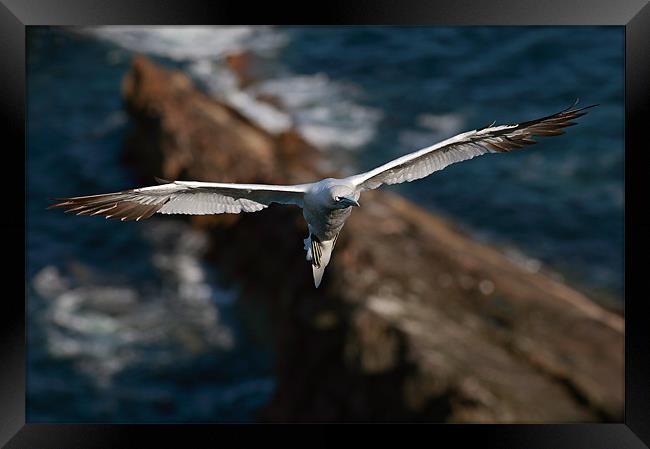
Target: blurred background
pixel 127 322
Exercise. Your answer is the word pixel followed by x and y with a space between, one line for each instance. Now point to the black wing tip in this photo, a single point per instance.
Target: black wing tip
pixel 591 106
pixel 570 110
pixel 575 103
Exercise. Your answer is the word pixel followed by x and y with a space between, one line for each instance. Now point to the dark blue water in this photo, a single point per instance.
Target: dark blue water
pixel 371 93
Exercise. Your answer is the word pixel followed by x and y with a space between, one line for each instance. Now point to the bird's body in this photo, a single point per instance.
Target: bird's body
pixel 327 203
pixel 324 219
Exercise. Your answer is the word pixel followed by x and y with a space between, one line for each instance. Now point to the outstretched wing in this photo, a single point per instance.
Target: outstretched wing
pixel 490 139
pixel 183 197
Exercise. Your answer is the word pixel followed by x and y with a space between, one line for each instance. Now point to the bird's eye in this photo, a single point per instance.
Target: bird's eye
pixel 337 198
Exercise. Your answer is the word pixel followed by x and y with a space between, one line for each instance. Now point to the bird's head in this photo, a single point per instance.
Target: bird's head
pixel 342 196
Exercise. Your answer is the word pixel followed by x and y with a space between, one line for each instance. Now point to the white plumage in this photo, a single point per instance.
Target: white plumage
pixel 327 203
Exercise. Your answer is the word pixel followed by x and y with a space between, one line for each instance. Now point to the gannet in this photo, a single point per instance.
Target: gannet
pixel 327 203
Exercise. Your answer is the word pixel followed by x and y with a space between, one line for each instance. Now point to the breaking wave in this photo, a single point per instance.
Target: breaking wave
pixel 326 112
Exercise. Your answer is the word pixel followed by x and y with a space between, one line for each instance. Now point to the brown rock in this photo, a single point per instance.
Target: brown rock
pixel 414 320
pixel 247 66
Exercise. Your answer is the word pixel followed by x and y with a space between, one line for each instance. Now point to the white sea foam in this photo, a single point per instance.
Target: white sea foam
pixel 105 328
pixel 186 43
pixel 222 84
pixel 326 112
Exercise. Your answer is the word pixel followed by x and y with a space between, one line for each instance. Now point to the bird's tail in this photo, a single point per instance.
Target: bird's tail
pixel 319 253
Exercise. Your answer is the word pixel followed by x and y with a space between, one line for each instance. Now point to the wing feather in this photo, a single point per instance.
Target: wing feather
pixel 183 197
pixel 489 139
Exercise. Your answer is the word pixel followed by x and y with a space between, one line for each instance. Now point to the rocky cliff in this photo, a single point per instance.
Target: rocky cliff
pixel 415 321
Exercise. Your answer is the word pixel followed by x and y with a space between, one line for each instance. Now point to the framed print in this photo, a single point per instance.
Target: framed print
pixel 338 218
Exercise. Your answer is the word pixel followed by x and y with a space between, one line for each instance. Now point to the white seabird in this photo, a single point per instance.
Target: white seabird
pixel 326 203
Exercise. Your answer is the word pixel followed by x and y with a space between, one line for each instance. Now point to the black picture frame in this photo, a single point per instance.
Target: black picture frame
pixel 16 15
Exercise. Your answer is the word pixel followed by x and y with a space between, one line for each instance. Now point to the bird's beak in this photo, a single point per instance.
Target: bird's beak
pixel 349 202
